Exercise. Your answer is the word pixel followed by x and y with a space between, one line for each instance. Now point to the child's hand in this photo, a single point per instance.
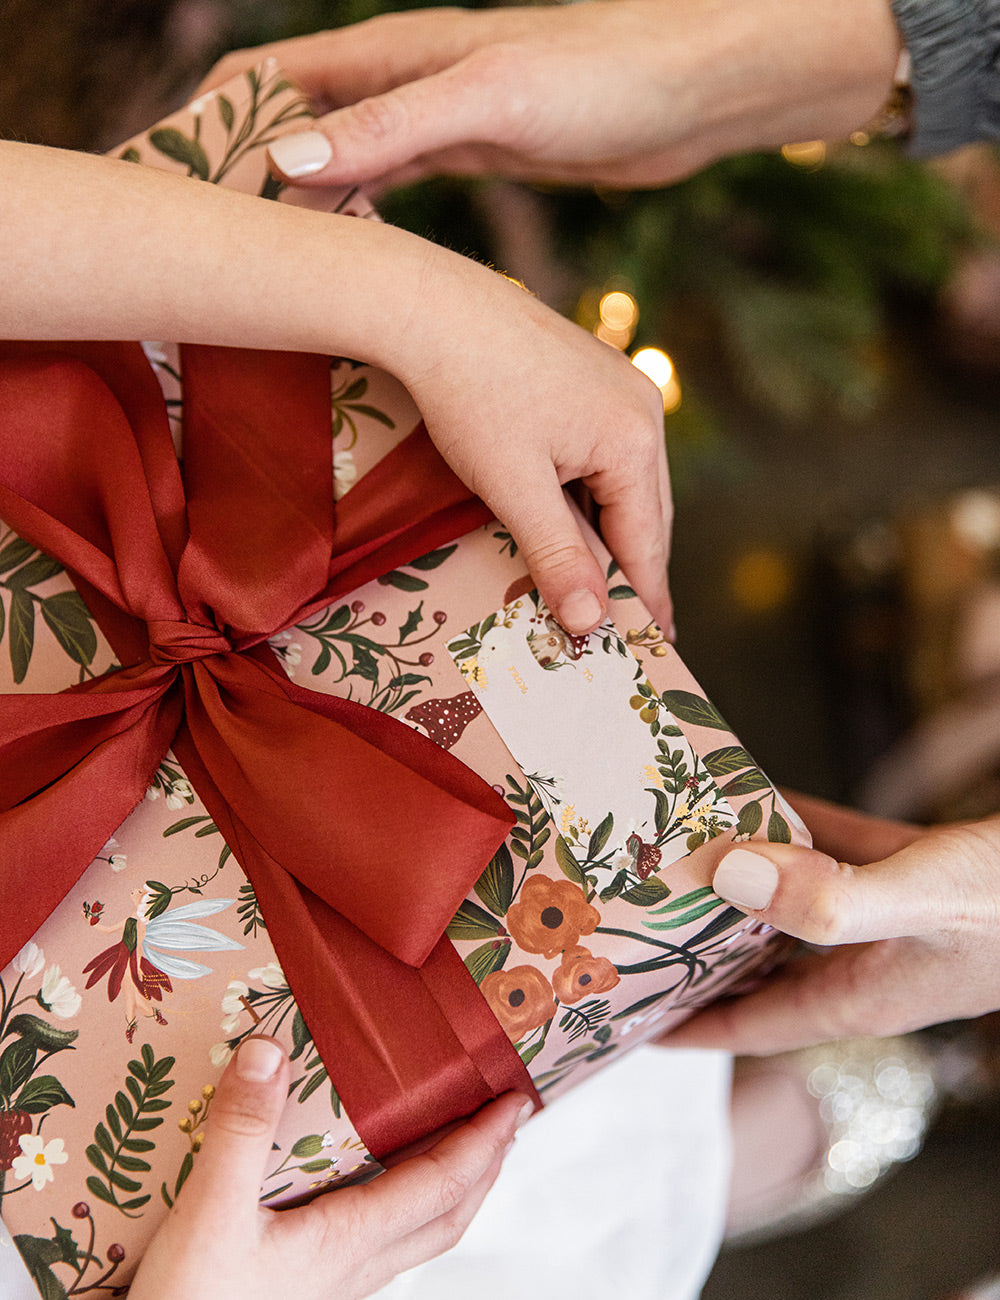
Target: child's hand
pixel 219 1244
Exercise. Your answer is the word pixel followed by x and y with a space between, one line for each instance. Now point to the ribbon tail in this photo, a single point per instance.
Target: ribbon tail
pixel 51 836
pixel 408 1050
pixel 376 819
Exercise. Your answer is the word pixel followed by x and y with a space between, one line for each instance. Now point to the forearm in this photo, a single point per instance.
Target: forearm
pixel 98 248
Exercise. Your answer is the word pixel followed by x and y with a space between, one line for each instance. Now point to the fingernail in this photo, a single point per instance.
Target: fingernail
pixel 258 1060
pixel 525 1113
pixel 580 611
pixel 302 154
pixel 746 879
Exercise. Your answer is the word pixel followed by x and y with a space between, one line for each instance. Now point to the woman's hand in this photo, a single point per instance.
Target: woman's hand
pixel 913 934
pixel 219 1244
pixel 612 92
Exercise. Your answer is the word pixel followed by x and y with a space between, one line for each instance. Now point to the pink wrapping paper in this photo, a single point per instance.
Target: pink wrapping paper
pixel 593 929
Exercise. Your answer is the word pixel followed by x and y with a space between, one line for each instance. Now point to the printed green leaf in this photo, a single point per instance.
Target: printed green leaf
pixel 728 759
pixel 621 592
pixel 182 825
pixel 486 958
pixel 693 709
pixel 684 918
pixel 38 1254
pixel 301 1037
pixel 16 1065
pixel 567 863
pixel 311 1145
pixel 131 154
pixel 38 571
pixel 41 1033
pixel 778 830
pixel 226 111
pixel 495 887
pixel 663 815
pixel 316 1166
pixel 600 837
pixel 181 148
pixel 373 413
pixel 21 632
pixel 647 893
pixel 413 621
pixel 750 819
pixel 472 922
pixel 694 841
pixel 746 783
pixel 316 1080
pixel 69 620
pixel 433 558
pixel 615 888
pixel 402 581
pixel 41 1094
pixel 129 1114
pixel 14 552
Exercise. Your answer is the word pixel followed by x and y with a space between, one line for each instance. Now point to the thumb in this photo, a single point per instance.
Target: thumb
pixel 925 887
pixel 239 1131
pixel 383 133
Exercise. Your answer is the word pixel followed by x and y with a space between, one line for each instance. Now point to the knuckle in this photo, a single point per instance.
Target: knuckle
pixel 240 1121
pixel 554 556
pixel 827 918
pixel 380 117
pixel 451 1189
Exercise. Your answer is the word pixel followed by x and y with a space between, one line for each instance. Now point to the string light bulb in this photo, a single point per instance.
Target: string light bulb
pixel 809 155
pixel 657 366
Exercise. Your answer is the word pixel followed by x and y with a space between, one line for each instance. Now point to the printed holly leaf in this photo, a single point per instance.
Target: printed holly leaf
pixel 181 148
pixel 38 1254
pixel 64 1240
pixel 413 621
pixel 69 620
pixel 496 885
pixel 41 1094
pixel 693 709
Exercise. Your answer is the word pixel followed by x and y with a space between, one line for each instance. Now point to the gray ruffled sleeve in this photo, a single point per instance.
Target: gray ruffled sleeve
pixel 954 48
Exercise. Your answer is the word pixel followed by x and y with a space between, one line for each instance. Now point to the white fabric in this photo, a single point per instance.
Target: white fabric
pixel 15 1281
pixel 617 1190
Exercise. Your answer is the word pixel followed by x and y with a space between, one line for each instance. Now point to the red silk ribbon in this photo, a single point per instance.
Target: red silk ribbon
pixel 360 836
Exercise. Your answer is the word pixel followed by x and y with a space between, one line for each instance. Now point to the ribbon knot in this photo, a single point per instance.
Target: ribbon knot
pixel 172 641
pixel 360 836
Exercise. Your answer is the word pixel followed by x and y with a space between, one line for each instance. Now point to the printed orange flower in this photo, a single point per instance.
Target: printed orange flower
pixel 581 974
pixel 550 915
pixel 520 998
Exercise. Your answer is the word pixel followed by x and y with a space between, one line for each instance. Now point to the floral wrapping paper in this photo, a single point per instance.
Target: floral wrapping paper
pixel 592 929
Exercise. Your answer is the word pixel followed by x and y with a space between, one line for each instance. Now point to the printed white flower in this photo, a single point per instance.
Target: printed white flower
pixel 271 976
pixel 29 961
pixel 58 995
pixel 345 472
pixel 155 353
pixel 232 999
pixel 118 862
pixel 289 652
pixel 37 1159
pixel 153 793
pixel 179 794
pixel 220 1053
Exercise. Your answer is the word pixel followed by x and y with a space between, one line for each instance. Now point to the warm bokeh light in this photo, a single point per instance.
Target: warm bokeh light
pixel 618 314
pixel 761 580
pixel 655 363
pixel 808 154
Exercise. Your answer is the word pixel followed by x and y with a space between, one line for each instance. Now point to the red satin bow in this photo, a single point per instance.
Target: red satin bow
pixel 344 819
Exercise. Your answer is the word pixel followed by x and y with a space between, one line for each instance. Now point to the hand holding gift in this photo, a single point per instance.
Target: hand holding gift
pixel 930 896
pixel 219 1243
pixel 631 94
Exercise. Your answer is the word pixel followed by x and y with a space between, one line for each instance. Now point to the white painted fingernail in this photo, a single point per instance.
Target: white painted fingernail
pixel 579 611
pixel 746 879
pixel 302 154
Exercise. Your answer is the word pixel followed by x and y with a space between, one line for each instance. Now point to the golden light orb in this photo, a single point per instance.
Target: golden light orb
pixel 807 154
pixel 657 366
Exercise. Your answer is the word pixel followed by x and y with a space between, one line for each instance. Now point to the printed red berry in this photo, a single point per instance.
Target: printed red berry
pixel 426 659
pixel 81 1210
pixel 116 1253
pixel 440 616
pixel 357 606
pixel 13 1123
pixel 378 618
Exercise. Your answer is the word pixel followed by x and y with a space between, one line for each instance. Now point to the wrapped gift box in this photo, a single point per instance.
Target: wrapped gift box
pixel 591 928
